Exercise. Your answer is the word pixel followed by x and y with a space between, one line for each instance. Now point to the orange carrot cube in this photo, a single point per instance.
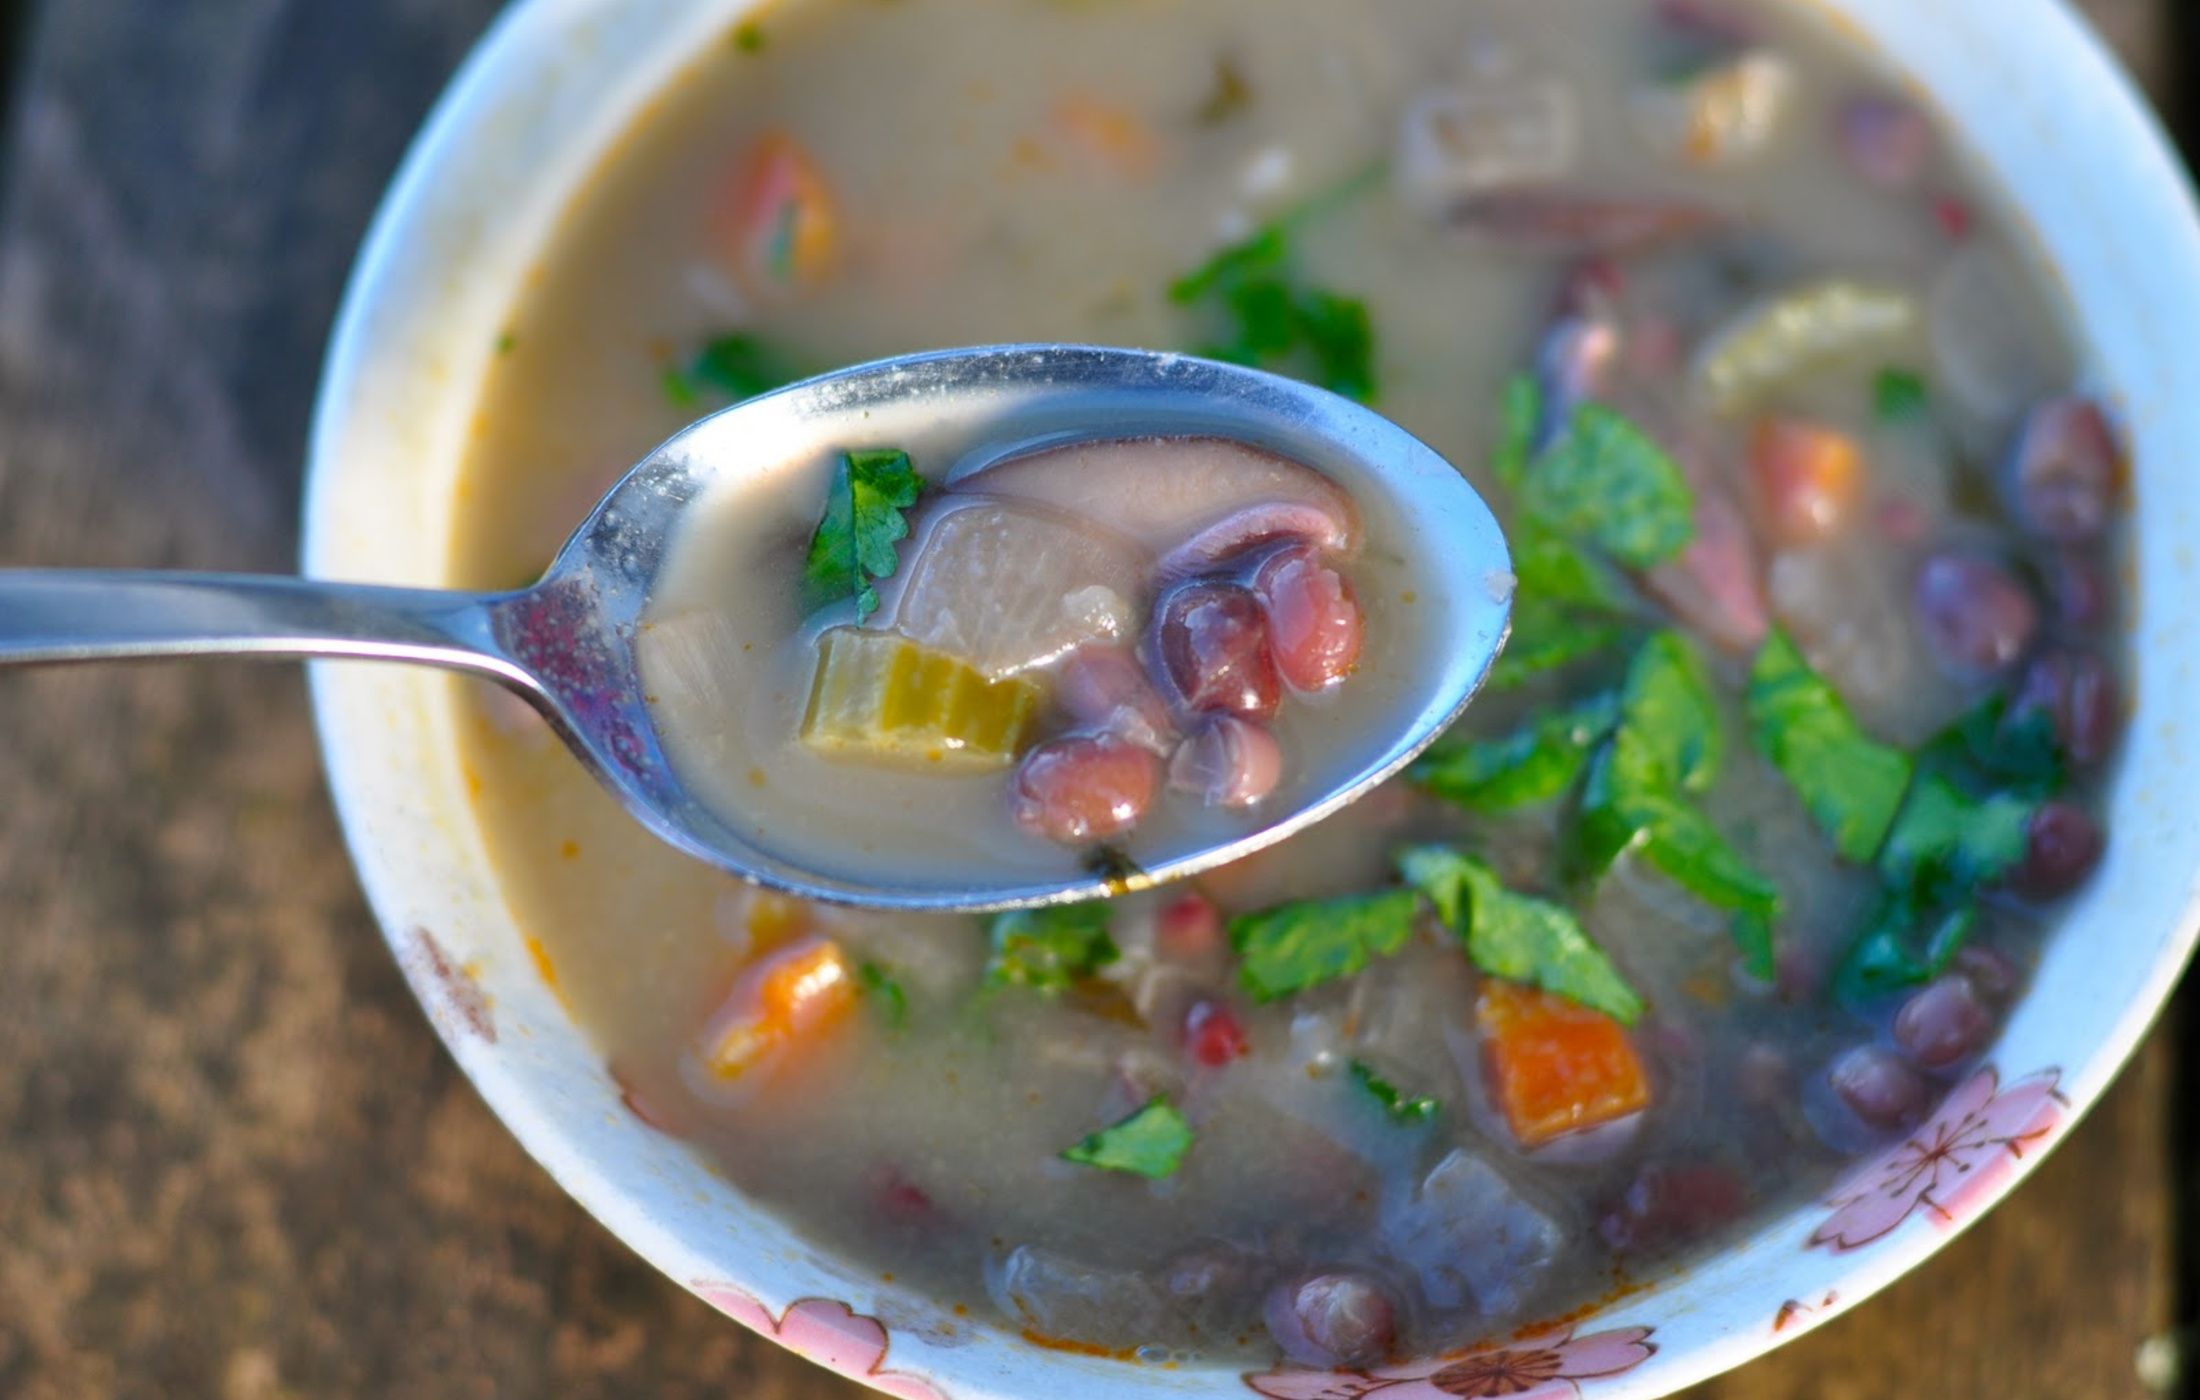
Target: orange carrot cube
pixel 1807 477
pixel 1554 1066
pixel 782 227
pixel 794 996
pixel 1115 137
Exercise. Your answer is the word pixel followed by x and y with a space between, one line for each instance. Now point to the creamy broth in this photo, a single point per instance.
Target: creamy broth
pixel 1847 368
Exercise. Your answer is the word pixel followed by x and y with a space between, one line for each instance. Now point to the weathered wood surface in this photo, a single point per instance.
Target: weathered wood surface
pixel 233 1161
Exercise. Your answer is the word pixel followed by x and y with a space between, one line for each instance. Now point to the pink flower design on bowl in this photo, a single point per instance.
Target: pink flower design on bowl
pixel 1957 1158
pixel 830 1333
pixel 1549 1367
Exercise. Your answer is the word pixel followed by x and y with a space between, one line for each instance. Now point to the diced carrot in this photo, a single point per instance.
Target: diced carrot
pixel 1808 479
pixel 1115 136
pixel 796 995
pixel 1554 1066
pixel 781 226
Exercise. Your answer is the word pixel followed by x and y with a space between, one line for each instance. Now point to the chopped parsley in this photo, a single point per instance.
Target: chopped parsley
pixel 1150 1143
pixel 1303 944
pixel 1900 396
pixel 884 992
pixel 1546 638
pixel 1607 481
pixel 1275 320
pixel 865 518
pixel 1050 949
pixel 748 37
pixel 1851 783
pixel 732 367
pixel 1668 746
pixel 1541 760
pixel 1903 946
pixel 1516 936
pixel 1404 1111
pixel 1991 748
pixel 1520 413
pixel 1555 570
pixel 1947 842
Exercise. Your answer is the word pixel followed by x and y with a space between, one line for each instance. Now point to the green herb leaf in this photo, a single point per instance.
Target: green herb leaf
pixel 1553 569
pixel 741 367
pixel 1545 639
pixel 1535 763
pixel 1946 843
pixel 1049 949
pixel 1304 944
pixel 1520 414
pixel 1669 737
pixel 1899 396
pixel 1404 1111
pixel 1607 481
pixel 1851 783
pixel 1150 1143
pixel 1277 322
pixel 1989 749
pixel 1682 845
pixel 1669 744
pixel 1752 934
pixel 1903 947
pixel 864 520
pixel 884 993
pixel 1517 936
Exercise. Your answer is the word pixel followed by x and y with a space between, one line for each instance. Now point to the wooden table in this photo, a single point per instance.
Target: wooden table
pixel 233 1161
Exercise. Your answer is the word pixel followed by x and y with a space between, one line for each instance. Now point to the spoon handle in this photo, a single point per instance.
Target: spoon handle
pixel 87 615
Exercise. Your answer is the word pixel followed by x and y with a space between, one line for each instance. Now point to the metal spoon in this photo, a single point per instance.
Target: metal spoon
pixel 564 643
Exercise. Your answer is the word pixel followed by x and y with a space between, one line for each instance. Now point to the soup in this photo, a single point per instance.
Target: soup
pixel 1733 869
pixel 1043 659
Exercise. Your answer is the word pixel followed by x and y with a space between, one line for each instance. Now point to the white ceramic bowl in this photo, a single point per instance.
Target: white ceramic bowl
pixel 543 97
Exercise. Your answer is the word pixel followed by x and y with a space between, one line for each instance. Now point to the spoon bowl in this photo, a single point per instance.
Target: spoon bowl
pixel 566 644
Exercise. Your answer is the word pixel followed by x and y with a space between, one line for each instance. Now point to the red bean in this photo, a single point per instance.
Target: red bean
pixel 1944 1023
pixel 1084 789
pixel 1885 141
pixel 2063 469
pixel 1228 762
pixel 1213 1035
pixel 1189 929
pixel 1878 1087
pixel 1672 1203
pixel 1105 688
pixel 2062 845
pixel 2076 691
pixel 2081 590
pixel 1333 1320
pixel 1977 619
pixel 1215 648
pixel 1995 977
pixel 1314 622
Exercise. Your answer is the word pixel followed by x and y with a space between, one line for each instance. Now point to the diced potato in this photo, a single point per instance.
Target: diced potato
pixel 1457 142
pixel 782 224
pixel 1007 588
pixel 882 698
pixel 1726 115
pixel 794 996
pixel 1554 1066
pixel 1801 331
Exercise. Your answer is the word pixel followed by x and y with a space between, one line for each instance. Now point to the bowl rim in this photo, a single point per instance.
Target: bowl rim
pixel 479 95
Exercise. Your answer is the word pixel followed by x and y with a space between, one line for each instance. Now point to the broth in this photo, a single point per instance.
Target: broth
pixel 1724 324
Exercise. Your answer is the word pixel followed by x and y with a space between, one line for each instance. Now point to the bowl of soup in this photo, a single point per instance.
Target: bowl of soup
pixel 1811 860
